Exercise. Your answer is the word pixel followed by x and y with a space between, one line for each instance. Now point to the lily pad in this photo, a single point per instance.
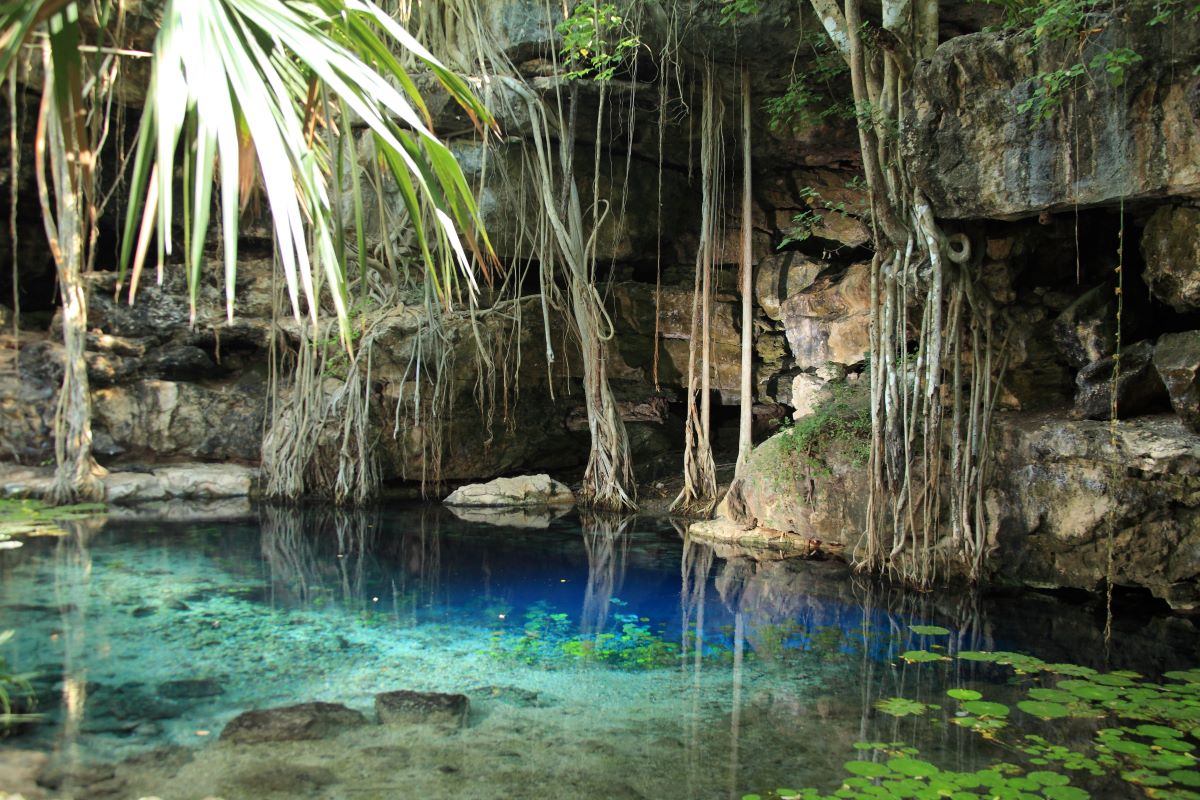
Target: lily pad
pixel 986 708
pixel 1044 709
pixel 930 630
pixel 901 707
pixel 921 656
pixel 868 769
pixel 913 767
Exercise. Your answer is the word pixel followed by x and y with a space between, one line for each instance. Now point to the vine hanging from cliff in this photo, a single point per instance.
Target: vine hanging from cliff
pixel 923 508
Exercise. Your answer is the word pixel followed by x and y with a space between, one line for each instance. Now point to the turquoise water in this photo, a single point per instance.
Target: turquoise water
pixel 602 658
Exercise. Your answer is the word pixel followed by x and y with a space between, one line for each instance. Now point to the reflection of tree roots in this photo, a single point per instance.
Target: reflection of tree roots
pixel 293 541
pixel 606 540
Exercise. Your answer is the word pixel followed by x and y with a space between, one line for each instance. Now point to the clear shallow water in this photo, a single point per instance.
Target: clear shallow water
pixel 602 660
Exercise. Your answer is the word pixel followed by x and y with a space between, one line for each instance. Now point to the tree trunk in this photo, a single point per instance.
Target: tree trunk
pixel 745 418
pixel 75 477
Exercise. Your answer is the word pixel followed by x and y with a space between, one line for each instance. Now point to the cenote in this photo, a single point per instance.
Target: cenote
pixel 600 657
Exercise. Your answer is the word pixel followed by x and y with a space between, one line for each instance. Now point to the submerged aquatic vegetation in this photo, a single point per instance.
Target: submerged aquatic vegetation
pixel 1100 734
pixel 549 639
pixel 10 684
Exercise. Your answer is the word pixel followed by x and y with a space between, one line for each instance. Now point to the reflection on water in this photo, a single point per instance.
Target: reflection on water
pixel 604 657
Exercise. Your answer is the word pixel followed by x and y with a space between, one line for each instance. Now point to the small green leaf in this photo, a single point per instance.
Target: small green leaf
pixel 1186 777
pixel 1047 778
pixel 964 694
pixel 901 707
pixel 921 656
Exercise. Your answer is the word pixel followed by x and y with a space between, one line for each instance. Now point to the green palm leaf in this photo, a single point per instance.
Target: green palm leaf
pixel 224 67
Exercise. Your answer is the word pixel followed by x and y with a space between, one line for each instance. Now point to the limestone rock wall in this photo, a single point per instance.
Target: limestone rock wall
pixel 977 157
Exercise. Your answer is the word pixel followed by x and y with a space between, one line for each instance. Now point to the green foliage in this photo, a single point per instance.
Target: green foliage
pixel 547 640
pixel 732 9
pixel 596 40
pixel 902 707
pixel 1077 22
pixel 842 421
pixel 812 97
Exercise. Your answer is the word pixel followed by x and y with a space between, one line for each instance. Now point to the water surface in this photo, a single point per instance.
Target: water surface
pixel 603 658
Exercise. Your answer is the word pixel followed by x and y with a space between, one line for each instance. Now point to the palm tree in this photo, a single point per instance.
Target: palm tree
pixel 238 89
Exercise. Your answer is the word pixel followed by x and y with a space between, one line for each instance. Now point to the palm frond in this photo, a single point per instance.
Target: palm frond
pixel 225 70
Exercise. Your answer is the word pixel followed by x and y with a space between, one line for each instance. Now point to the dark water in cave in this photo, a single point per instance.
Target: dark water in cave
pixel 602 658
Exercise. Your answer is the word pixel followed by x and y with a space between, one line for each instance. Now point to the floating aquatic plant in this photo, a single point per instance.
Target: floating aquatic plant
pixel 1146 734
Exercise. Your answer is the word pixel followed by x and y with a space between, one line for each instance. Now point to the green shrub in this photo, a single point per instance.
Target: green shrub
pixel 841 425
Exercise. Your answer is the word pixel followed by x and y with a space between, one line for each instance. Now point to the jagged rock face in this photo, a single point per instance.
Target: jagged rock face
pixel 780 276
pixel 1177 359
pixel 1138 388
pixel 1063 488
pixel 831 320
pixel 976 158
pixel 510 208
pixel 1086 331
pixel 162 419
pixel 1171 247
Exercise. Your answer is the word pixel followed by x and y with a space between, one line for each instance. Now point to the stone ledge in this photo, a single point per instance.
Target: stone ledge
pixel 174 482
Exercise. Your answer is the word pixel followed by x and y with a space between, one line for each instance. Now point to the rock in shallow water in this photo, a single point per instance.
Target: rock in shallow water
pixel 406 707
pixel 302 722
pixel 20 771
pixel 280 778
pixel 191 688
pixel 526 490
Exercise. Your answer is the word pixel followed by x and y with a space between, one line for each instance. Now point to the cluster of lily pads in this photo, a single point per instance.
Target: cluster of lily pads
pixel 1101 734
pixel 549 639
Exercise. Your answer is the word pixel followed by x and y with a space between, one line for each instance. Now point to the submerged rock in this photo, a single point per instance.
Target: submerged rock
pixel 302 722
pixel 191 688
pixel 279 778
pixel 406 707
pixel 1139 388
pixel 19 773
pixel 526 490
pixel 511 695
pixel 1177 359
